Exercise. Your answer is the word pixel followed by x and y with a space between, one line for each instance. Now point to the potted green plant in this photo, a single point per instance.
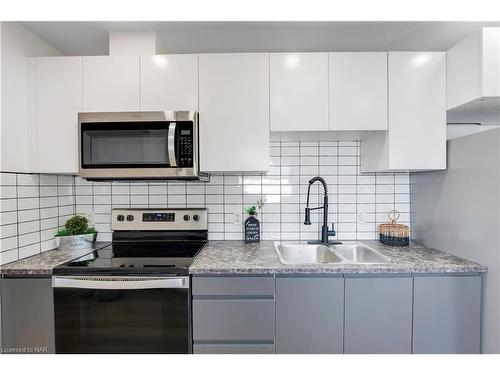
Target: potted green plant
pixel 76 234
pixel 252 224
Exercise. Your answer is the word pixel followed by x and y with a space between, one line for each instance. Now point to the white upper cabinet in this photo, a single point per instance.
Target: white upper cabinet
pixel 416 137
pixel 58 100
pixel 234 112
pixel 358 91
pixel 111 83
pixel 169 82
pixel 299 91
pixel 473 78
pixel 473 67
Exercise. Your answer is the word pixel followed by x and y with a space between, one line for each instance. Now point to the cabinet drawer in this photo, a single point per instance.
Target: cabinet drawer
pixel 233 286
pixel 233 319
pixel 233 349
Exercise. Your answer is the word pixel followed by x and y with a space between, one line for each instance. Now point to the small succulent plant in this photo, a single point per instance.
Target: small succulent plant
pixel 75 226
pixel 252 211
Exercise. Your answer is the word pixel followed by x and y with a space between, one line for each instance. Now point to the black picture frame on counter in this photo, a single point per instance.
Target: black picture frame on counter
pixel 252 230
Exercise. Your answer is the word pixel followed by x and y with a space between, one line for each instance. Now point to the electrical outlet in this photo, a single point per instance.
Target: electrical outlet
pixel 361 217
pixel 236 218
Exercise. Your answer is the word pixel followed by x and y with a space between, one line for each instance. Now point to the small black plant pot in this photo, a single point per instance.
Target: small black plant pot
pixel 252 230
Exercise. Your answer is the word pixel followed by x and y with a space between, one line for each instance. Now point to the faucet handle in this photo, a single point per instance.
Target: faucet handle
pixel 332 232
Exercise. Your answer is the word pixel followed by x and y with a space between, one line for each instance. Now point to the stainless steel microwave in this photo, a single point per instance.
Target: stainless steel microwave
pixel 138 145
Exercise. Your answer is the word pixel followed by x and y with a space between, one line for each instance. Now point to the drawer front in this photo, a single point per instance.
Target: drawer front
pixel 233 286
pixel 233 319
pixel 233 349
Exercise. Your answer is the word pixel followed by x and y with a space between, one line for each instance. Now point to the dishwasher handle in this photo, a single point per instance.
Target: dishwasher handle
pixel 120 282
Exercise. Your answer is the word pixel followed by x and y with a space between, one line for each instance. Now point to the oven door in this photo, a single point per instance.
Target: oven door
pixel 140 145
pixel 122 314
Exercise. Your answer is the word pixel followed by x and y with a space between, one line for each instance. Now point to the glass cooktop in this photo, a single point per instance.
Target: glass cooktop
pixel 129 259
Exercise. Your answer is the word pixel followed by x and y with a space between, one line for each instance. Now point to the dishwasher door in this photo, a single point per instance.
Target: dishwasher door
pixel 122 314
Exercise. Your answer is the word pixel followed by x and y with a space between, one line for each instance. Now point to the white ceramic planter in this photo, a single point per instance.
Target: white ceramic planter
pixel 80 242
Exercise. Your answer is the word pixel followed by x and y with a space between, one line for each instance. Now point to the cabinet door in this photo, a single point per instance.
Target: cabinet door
pixel 111 83
pixel 358 91
pixel 299 91
pixel 417 110
pixel 28 315
pixel 309 315
pixel 58 99
pixel 447 315
pixel 378 315
pixel 234 112
pixel 169 82
pixel 416 135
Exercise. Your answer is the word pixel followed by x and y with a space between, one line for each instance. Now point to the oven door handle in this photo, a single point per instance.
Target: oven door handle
pixel 120 282
pixel 171 144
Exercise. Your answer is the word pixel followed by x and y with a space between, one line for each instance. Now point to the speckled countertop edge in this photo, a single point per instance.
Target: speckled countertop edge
pixel 236 257
pixel 43 264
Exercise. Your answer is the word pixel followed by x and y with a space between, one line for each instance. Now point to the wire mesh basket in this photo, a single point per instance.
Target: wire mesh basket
pixel 392 233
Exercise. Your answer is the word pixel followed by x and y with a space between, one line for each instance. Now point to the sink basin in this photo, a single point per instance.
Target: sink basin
pixel 315 254
pixel 306 254
pixel 359 253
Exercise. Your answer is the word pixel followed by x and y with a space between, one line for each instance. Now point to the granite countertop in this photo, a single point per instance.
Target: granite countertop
pixel 236 257
pixel 43 264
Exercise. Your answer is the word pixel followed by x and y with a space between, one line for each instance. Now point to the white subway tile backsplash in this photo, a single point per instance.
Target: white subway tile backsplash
pixel 9 256
pixel 28 179
pixel 28 215
pixel 37 204
pixel 8 192
pixel 139 200
pixel 8 243
pixel 100 189
pixel 8 230
pixel 29 239
pixel 358 203
pixel 8 217
pixel 8 179
pixel 27 251
pixel 160 200
pixel 45 202
pixel 8 205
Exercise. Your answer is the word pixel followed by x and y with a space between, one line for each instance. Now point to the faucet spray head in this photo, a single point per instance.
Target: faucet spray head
pixel 307 219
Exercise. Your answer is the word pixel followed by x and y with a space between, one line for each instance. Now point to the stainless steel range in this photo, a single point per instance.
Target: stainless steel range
pixel 132 296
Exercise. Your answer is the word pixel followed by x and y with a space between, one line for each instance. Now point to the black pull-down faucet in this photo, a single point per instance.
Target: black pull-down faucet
pixel 325 231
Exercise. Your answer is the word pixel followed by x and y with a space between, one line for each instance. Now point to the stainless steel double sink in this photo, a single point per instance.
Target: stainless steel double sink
pixel 357 253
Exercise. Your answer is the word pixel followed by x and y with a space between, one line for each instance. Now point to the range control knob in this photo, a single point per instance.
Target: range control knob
pixel 120 218
pixel 130 217
pixel 186 217
pixel 196 217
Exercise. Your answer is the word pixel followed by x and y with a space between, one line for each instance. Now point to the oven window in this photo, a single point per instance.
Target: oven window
pixel 121 321
pixel 125 145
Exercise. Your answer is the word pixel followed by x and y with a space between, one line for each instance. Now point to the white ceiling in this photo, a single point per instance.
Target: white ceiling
pixel 91 38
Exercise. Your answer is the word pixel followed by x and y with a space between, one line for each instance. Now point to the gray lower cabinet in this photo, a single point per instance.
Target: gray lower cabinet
pixel 447 314
pixel 309 314
pixel 233 314
pixel 378 315
pixel 27 315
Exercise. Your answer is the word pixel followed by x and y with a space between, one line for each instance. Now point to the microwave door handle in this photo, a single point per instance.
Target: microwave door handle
pixel 171 144
pixel 119 282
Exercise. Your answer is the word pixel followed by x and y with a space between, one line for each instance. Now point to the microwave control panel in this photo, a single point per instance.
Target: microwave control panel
pixel 185 145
